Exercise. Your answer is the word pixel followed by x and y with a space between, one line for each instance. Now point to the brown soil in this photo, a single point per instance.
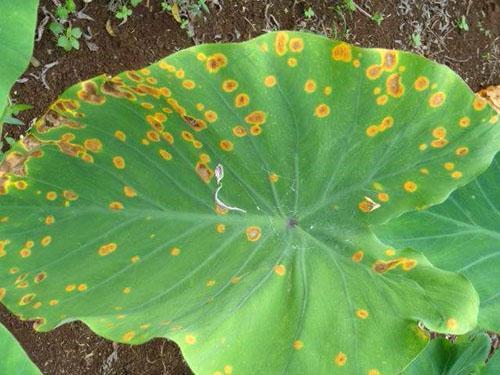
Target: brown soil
pixel 149 35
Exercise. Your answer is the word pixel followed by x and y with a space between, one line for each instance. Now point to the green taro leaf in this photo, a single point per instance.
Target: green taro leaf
pixel 461 235
pixel 224 197
pixel 13 358
pixel 17 29
pixel 493 365
pixel 463 357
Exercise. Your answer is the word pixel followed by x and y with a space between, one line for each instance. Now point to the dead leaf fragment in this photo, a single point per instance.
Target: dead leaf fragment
pixel 175 12
pixel 492 95
pixel 109 28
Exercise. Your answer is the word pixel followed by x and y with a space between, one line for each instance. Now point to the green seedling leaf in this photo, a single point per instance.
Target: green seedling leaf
pixel 70 6
pixel 13 358
pixel 12 120
pixel 17 30
pixel 62 13
pixel 224 197
pixel 462 24
pixel 492 367
pixel 76 32
pixel 463 357
pixel 56 28
pixel 64 42
pixel 123 13
pixel 461 235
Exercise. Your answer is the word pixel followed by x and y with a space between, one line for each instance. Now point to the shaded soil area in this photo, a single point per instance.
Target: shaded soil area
pixel 426 27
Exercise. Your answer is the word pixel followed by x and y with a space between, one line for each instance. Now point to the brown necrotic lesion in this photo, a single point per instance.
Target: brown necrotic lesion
pixel 88 93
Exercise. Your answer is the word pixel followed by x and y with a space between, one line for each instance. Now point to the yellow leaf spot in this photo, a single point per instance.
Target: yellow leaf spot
pixel 280 43
pixel 421 83
pixel 49 220
pixel 210 283
pixel 107 249
pixel 358 256
pixel 342 52
pixel 270 81
pixel 239 131
pixel 292 62
pixel 462 151
pixel 464 122
pixel 451 323
pixel 256 118
pixel 188 84
pixel 226 145
pixel 129 192
pixel 21 185
pixel 128 336
pixel 310 86
pixel 362 314
pixel 340 359
pixel 253 233
pixel 479 103
pixel 298 344
pixel 220 228
pixel 422 147
pixel 255 130
pixel 408 264
pixel 439 143
pixel 25 253
pixel 211 116
pixel 383 197
pixel 46 241
pixel 437 99
pixel 449 166
pixel 280 269
pixel 241 100
pixel 53 302
pixel 190 339
pixel 119 162
pixel 373 72
pixel 374 371
pixel 327 90
pixel 146 105
pixel 390 252
pixel 229 85
pixel 93 144
pixel 456 175
pixel 51 196
pixel 424 171
pixel 165 154
pixel 410 186
pixel 27 298
pixel 382 99
pixel 3 292
pixel 368 205
pixel 322 110
pixel 70 287
pixel 228 369
pixel 175 251
pixel 273 178
pixel 296 45
pixel 126 290
pixel 372 130
pixel 394 86
pixel 215 62
pixel 116 205
pixel 135 259
pixel 82 287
